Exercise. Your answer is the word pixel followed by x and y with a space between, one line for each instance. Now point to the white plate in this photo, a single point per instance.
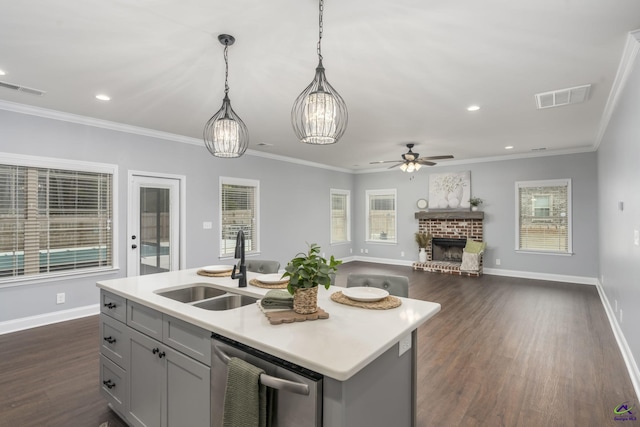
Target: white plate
pixel 365 293
pixel 217 268
pixel 274 278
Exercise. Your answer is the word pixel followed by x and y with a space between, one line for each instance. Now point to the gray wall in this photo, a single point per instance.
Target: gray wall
pixel 619 175
pixel 494 182
pixel 294 199
pixel 294 204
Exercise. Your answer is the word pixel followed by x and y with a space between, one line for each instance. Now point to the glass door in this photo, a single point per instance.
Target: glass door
pixel 154 225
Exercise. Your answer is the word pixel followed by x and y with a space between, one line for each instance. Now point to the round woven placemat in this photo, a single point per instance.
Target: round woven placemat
pixel 206 273
pixel 260 284
pixel 384 304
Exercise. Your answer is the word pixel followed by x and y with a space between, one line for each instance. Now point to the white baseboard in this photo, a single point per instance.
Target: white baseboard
pixel 629 360
pixel 582 280
pixel 48 318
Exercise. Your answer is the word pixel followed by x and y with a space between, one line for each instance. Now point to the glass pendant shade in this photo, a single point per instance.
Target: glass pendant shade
pixel 225 134
pixel 418 166
pixel 319 114
pixel 403 167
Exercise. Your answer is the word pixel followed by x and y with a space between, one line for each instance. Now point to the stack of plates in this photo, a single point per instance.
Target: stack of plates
pixel 217 268
pixel 365 293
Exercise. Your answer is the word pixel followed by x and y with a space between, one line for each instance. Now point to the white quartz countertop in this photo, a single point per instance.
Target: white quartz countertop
pixel 337 347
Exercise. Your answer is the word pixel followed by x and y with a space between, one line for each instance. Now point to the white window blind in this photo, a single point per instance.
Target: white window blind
pixel 340 229
pixel 544 216
pixel 238 211
pixel 381 216
pixel 54 220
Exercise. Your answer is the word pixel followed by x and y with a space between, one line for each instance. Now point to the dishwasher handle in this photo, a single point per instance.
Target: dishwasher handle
pixel 270 381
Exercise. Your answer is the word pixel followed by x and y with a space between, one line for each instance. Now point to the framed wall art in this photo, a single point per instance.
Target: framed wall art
pixel 450 191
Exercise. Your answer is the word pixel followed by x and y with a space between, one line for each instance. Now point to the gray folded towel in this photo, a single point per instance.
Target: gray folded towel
pixel 245 399
pixel 277 299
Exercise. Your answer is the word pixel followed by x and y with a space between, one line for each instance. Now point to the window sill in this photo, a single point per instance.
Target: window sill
pixel 534 252
pixel 30 280
pixel 382 242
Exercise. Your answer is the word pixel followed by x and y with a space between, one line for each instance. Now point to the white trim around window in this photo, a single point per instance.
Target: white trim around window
pixel 61 168
pixel 545 230
pixel 340 216
pixel 246 194
pixel 381 220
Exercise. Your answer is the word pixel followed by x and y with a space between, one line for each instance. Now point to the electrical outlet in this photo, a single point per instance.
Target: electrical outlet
pixel 402 253
pixel 207 225
pixel 404 345
pixel 366 251
pixel 350 250
pixel 361 251
pixel 621 316
pixel 60 298
pixel 615 305
pixel 497 261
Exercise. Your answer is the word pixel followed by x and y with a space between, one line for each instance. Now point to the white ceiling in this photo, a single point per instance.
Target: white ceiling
pixel 407 69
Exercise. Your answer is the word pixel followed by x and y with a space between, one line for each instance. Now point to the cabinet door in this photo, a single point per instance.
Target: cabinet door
pixel 188 391
pixel 147 380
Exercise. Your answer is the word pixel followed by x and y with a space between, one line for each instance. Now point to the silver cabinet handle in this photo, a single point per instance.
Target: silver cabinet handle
pixel 270 381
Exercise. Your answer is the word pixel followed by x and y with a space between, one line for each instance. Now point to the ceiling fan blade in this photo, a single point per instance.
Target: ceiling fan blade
pixel 394 166
pixel 384 161
pixel 448 156
pixel 425 162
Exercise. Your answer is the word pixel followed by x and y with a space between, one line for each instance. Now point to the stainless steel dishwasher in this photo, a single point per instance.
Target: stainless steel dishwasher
pixel 299 390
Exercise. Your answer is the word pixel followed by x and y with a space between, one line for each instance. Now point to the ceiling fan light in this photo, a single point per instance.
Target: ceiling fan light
pixel 418 166
pixel 403 167
pixel 410 167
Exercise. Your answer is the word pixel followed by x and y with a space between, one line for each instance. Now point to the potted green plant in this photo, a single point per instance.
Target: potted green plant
pixel 475 202
pixel 306 272
pixel 422 239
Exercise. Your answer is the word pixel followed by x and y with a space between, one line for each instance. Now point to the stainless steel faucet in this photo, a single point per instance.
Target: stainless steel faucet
pixel 242 269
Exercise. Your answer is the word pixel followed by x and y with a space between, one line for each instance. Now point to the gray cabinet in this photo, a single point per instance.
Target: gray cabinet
pixel 166 388
pixel 154 368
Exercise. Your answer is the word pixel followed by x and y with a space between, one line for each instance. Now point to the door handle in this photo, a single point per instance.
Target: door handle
pixel 270 381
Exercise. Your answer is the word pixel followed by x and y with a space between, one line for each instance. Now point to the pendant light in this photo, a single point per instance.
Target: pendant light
pixel 319 114
pixel 225 134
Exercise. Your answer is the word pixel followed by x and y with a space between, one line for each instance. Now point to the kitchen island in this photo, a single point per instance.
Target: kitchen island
pixel 367 357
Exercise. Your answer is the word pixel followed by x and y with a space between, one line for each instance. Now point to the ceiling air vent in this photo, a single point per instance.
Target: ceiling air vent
pixel 558 98
pixel 24 89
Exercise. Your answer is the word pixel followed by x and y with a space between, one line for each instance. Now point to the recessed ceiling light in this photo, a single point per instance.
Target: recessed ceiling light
pixel 509 147
pixel 473 108
pixel 103 97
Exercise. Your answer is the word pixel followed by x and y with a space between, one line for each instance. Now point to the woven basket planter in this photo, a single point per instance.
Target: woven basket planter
pixel 305 300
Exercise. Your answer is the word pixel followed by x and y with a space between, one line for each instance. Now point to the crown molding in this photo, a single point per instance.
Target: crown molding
pixel 629 54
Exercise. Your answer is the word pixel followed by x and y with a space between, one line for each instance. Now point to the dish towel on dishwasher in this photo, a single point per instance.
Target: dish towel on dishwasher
pixel 245 399
pixel 277 299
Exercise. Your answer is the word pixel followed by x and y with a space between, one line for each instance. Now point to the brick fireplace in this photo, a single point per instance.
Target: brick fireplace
pixel 450 226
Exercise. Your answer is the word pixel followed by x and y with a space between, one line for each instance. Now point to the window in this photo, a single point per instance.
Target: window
pixel 239 199
pixel 340 216
pixel 381 216
pixel 543 221
pixel 54 220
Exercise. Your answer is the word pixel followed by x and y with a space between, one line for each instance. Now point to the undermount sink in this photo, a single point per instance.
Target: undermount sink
pixel 226 302
pixel 203 296
pixel 195 292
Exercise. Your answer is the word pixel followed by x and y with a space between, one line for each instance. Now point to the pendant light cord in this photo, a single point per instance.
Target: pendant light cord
pixel 226 69
pixel 320 28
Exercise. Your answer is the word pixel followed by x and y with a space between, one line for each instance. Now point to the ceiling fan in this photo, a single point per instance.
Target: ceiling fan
pixel 412 161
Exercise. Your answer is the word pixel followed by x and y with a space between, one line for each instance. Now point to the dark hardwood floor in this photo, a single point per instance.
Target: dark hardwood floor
pixel 502 352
